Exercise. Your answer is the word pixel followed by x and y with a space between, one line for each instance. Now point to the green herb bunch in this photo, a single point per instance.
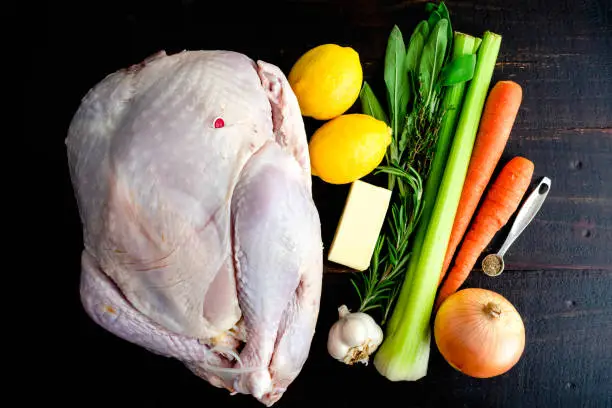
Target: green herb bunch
pixel 415 79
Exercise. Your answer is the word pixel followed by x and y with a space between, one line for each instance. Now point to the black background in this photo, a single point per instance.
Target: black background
pixel 560 273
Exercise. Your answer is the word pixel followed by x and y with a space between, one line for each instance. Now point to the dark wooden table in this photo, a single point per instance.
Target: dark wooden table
pixel 559 272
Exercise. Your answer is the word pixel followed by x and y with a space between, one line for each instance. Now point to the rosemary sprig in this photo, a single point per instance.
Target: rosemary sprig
pixel 414 152
pixel 391 254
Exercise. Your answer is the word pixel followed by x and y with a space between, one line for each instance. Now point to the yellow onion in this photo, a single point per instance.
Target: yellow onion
pixel 479 332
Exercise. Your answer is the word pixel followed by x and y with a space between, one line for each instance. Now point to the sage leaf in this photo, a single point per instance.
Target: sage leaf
pixel 433 19
pixel 415 47
pixel 413 56
pixel 370 105
pixel 443 11
pixel 396 82
pixel 460 69
pixel 432 59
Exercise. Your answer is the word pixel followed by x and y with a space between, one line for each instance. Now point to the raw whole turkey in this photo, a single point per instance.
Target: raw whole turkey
pixel 201 238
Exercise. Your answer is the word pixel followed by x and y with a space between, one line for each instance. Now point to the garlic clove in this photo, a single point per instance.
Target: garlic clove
pixel 335 347
pixel 375 333
pixel 354 331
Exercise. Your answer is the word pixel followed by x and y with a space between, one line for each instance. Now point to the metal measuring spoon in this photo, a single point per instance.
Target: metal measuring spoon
pixel 493 264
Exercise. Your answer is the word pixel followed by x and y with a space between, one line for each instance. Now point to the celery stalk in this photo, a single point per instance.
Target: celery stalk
pixel 477 44
pixel 404 354
pixel 463 44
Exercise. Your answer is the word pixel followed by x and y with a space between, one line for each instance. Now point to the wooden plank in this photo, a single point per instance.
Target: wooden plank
pixel 577 160
pixel 567 316
pixel 564 64
pixel 574 227
pixel 566 92
pixel 566 234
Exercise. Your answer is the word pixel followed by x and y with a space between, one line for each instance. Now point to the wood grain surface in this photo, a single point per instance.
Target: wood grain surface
pixel 559 272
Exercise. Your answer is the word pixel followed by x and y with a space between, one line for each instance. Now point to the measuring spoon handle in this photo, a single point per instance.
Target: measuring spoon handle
pixel 526 214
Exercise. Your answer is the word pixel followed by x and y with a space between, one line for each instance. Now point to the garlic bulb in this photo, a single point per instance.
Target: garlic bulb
pixel 354 337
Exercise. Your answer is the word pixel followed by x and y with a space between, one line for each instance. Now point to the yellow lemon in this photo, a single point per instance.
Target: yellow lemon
pixel 348 147
pixel 326 80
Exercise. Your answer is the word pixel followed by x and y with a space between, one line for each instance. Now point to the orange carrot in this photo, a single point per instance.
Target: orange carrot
pixel 500 203
pixel 494 129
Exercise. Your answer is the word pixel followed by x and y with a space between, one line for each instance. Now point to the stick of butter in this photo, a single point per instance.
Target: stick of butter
pixel 360 224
